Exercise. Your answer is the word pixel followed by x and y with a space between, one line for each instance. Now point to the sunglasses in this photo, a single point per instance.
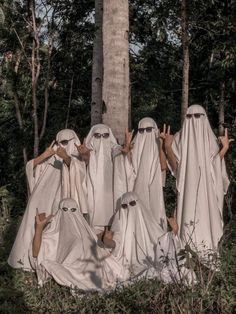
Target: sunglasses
pixel 195 115
pixel 148 129
pixel 132 203
pixel 64 142
pixel 66 209
pixel 99 135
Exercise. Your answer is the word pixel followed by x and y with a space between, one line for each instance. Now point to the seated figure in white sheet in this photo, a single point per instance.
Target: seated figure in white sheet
pixel 146 170
pixel 197 161
pixel 104 159
pixel 55 174
pixel 65 248
pixel 141 246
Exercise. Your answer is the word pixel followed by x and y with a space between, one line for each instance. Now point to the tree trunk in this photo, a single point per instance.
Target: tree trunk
pixel 116 66
pixel 221 109
pixel 97 72
pixel 185 45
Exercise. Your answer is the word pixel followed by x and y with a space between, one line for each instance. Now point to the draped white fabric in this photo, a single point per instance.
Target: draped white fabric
pixel 49 182
pixel 146 179
pixel 142 247
pixel 69 253
pixel 100 179
pixel 201 182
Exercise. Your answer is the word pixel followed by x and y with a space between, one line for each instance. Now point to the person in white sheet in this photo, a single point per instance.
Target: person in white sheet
pixel 141 246
pixel 197 161
pixel 147 169
pixel 102 151
pixel 55 174
pixel 65 248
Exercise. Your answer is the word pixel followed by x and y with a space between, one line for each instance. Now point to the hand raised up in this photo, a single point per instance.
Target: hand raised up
pixel 168 138
pixel 128 142
pixel 225 141
pixel 82 149
pixel 41 220
pixel 49 151
pixel 61 152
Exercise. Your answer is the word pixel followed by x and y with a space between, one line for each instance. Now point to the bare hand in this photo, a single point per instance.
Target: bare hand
pixel 162 135
pixel 41 220
pixel 168 138
pixel 108 234
pixel 225 141
pixel 173 223
pixel 82 149
pixel 61 152
pixel 128 139
pixel 49 151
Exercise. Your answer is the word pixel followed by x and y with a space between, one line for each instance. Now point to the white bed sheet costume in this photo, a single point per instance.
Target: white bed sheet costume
pixel 69 253
pixel 49 182
pixel 143 248
pixel 202 182
pixel 103 192
pixel 145 177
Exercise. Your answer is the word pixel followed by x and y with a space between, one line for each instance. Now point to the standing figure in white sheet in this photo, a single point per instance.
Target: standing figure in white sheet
pixel 148 165
pixel 198 163
pixel 55 174
pixel 101 149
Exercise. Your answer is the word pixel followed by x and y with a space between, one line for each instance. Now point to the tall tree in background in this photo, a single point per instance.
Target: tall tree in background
pixel 185 47
pixel 116 66
pixel 97 71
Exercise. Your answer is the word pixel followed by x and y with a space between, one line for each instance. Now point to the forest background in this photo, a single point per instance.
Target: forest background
pixel 46 67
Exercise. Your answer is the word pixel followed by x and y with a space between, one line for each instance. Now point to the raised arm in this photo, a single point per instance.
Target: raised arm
pixel 40 222
pixel 61 152
pixel 169 152
pixel 106 237
pixel 161 151
pixel 84 152
pixel 49 151
pixel 128 144
pixel 225 141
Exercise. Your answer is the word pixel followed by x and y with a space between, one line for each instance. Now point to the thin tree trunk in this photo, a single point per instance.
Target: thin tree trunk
pixel 116 66
pixel 185 45
pixel 97 72
pixel 35 71
pixel 222 109
pixel 69 103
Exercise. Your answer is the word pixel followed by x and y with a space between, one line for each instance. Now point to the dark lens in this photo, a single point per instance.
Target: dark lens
pixel 132 203
pixel 105 135
pixel 65 209
pixel 188 116
pixel 97 135
pixel 149 129
pixel 64 142
pixel 124 206
pixel 197 115
pixel 73 209
pixel 141 130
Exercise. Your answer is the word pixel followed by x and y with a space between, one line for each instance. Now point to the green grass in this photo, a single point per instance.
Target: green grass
pixel 214 293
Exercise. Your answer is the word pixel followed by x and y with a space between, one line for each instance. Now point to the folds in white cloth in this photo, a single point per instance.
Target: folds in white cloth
pixel 70 255
pixel 49 182
pixel 201 184
pixel 146 178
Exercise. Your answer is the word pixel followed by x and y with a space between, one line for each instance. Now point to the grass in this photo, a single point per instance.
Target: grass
pixel 214 293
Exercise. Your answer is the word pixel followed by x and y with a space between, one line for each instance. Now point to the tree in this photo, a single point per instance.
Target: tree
pixel 97 71
pixel 116 66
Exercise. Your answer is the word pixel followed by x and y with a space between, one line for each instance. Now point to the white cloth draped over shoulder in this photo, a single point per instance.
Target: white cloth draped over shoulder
pixel 142 247
pixel 146 177
pixel 70 255
pixel 49 182
pixel 104 156
pixel 202 182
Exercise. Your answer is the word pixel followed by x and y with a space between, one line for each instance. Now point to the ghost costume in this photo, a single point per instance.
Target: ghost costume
pixel 202 182
pixel 100 178
pixel 146 178
pixel 70 255
pixel 143 248
pixel 49 182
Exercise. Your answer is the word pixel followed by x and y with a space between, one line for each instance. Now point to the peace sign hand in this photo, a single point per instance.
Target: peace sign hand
pixel 49 151
pixel 168 138
pixel 225 141
pixel 128 139
pixel 162 135
pixel 82 149
pixel 41 220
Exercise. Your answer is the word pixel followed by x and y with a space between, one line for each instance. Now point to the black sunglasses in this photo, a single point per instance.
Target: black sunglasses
pixel 64 142
pixel 66 209
pixel 132 203
pixel 195 115
pixel 148 129
pixel 99 135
